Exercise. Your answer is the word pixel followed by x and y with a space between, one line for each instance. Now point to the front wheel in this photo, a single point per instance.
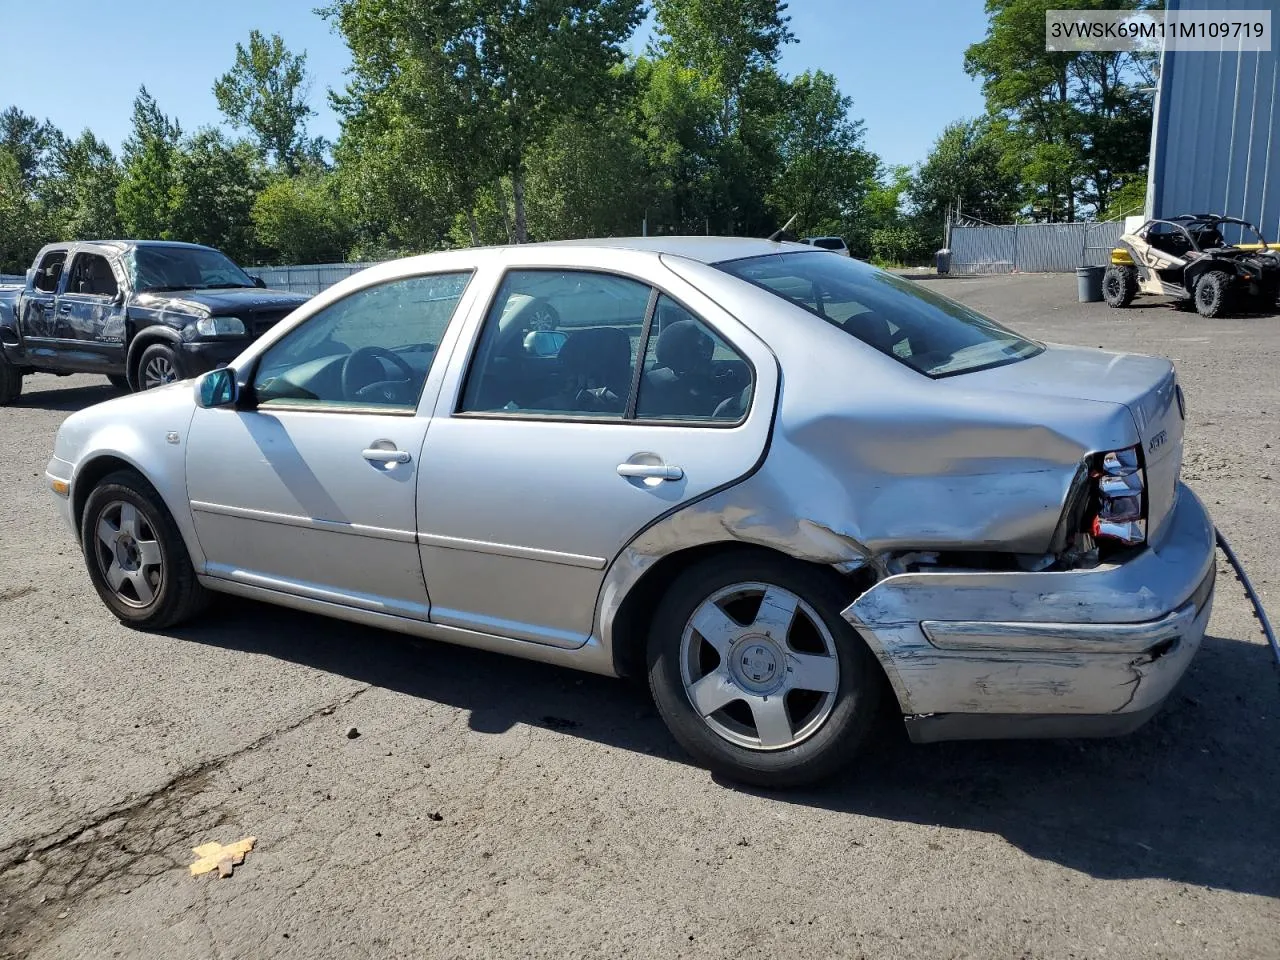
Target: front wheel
pixel 757 675
pixel 135 554
pixel 158 365
pixel 1211 293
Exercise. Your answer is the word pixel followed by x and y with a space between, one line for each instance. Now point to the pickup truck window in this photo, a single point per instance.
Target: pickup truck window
pixel 160 268
pixel 91 274
pixel 50 270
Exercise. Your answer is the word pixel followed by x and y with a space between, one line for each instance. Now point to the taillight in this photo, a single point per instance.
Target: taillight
pixel 1121 496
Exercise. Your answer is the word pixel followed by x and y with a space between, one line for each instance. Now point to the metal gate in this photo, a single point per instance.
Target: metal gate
pixel 1032 247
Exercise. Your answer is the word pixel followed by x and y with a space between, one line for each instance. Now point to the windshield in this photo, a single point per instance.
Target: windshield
pixel 899 317
pixel 183 268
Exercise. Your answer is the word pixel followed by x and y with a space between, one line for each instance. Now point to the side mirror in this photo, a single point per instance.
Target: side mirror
pixel 9 336
pixel 217 388
pixel 118 299
pixel 31 275
pixel 259 283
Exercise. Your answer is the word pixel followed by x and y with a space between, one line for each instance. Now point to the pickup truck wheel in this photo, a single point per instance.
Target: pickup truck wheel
pixel 757 675
pixel 120 383
pixel 136 557
pixel 1211 293
pixel 10 382
pixel 157 366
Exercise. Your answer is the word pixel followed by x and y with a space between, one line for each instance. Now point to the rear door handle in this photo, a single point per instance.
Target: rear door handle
pixel 651 471
pixel 376 455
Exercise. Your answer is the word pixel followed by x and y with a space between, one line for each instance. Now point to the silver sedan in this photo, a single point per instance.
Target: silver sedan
pixel 785 486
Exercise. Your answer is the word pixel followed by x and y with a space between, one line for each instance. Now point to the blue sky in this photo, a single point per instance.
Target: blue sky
pixel 80 65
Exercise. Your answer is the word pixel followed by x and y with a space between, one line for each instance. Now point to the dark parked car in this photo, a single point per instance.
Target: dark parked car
pixel 142 312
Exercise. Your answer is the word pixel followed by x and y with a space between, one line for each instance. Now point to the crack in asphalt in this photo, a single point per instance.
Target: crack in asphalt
pixel 131 841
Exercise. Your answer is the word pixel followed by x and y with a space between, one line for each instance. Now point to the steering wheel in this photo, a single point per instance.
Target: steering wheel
pixel 365 378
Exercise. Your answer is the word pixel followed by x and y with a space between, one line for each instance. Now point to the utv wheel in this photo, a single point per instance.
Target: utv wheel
pixel 10 382
pixel 1211 293
pixel 120 383
pixel 1119 286
pixel 757 675
pixel 136 557
pixel 158 365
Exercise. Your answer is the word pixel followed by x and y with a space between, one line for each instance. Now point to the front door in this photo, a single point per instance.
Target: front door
pixel 312 491
pixel 539 469
pixel 90 320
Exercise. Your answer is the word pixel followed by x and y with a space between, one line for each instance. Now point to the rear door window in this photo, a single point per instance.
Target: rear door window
pixel 50 271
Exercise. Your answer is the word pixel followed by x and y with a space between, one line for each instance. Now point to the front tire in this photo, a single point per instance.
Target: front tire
pixel 757 675
pixel 135 555
pixel 10 382
pixel 158 365
pixel 1119 286
pixel 1212 293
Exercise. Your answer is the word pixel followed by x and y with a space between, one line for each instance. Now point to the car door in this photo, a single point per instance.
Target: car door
pixel 535 476
pixel 90 319
pixel 38 324
pixel 311 489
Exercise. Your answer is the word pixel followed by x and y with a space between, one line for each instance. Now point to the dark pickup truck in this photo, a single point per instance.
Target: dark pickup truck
pixel 142 312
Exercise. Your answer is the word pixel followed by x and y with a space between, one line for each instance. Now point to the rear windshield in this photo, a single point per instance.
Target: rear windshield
pixel 828 243
pixel 899 317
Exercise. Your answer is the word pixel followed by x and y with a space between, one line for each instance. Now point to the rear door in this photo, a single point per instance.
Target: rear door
pixel 535 476
pixel 38 323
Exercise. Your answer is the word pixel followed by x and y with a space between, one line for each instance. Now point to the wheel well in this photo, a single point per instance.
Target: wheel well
pixel 137 344
pixel 631 622
pixel 88 477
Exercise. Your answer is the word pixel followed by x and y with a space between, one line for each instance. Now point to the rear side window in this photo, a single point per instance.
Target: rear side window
pixel 901 318
pixel 50 271
pixel 560 344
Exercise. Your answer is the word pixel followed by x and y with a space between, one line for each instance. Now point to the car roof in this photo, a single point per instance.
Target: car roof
pixel 126 244
pixel 704 249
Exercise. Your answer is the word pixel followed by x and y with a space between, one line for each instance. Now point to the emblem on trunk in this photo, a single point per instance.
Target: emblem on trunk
pixel 1157 441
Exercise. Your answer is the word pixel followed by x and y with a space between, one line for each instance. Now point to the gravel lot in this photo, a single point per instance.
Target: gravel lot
pixel 492 807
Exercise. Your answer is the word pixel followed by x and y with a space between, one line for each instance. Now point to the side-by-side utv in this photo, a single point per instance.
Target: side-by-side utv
pixel 1188 258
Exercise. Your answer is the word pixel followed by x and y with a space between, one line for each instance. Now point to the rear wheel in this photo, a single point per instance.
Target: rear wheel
pixel 158 365
pixel 1119 286
pixel 10 382
pixel 136 557
pixel 1212 293
pixel 757 675
pixel 121 383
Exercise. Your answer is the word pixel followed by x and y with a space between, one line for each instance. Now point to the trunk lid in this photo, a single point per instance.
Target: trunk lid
pixel 1146 386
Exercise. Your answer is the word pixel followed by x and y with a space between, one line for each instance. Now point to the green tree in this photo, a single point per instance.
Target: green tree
pixel 216 183
pixel 30 142
pixel 266 92
pixel 146 196
pixel 966 168
pixel 81 192
pixel 465 91
pixel 22 227
pixel 300 219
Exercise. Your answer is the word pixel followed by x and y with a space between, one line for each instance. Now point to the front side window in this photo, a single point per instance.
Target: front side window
pixel 899 317
pixel 567 344
pixel 91 275
pixel 373 348
pixel 161 268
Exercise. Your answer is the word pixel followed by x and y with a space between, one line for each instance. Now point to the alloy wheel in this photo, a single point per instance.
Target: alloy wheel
pixel 128 554
pixel 759 666
pixel 157 372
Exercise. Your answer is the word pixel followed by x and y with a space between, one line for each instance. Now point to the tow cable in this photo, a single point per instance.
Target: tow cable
pixel 1258 612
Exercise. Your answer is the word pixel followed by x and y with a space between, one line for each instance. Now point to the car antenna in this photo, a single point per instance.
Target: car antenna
pixel 777 233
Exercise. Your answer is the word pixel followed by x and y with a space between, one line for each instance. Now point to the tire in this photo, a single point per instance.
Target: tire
pixel 135 555
pixel 1119 286
pixel 542 315
pixel 757 681
pixel 10 382
pixel 158 365
pixel 121 383
pixel 1212 293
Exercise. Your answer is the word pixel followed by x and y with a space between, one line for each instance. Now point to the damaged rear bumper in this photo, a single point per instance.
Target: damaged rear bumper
pixel 1060 654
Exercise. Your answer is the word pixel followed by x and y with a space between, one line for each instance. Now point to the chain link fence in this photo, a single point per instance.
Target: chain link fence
pixel 1032 247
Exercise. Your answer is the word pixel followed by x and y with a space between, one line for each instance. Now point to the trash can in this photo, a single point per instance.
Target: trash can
pixel 1089 283
pixel 944 260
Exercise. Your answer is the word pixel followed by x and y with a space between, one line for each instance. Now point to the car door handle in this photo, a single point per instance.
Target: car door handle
pixel 376 455
pixel 651 471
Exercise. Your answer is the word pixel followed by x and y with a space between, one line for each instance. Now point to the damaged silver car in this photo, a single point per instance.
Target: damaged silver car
pixel 783 485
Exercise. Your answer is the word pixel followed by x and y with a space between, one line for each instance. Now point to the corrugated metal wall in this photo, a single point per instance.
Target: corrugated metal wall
pixel 1032 247
pixel 1216 130
pixel 308 278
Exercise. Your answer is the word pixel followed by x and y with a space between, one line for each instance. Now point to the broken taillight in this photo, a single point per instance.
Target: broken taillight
pixel 1120 486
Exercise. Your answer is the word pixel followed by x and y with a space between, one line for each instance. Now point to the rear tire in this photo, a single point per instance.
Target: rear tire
pixel 10 382
pixel 121 383
pixel 1212 293
pixel 787 690
pixel 1119 286
pixel 136 557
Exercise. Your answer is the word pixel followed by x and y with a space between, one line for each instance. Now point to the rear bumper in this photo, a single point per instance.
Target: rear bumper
pixel 1074 653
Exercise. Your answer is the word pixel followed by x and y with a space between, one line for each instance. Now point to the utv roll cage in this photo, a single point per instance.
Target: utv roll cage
pixel 1206 222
